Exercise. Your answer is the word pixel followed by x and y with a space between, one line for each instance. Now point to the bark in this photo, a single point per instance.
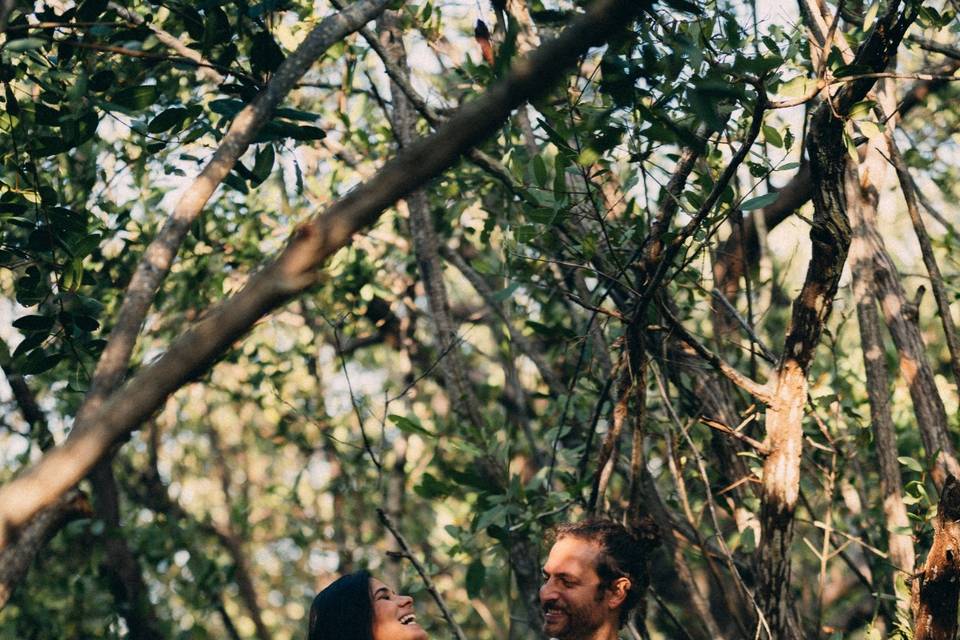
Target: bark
pixel 523 559
pixel 929 259
pixel 205 70
pixel 863 197
pixel 394 500
pixel 158 257
pixel 830 239
pixel 936 587
pixel 296 268
pixel 914 365
pixel 15 561
pixel 864 212
pixel 26 401
pixel 122 567
pixel 740 252
pixel 523 343
pixel 148 490
pixel 425 241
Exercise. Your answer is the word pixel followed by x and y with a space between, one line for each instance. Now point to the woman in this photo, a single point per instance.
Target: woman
pixel 360 607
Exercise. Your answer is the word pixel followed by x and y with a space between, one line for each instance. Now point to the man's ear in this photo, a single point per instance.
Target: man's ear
pixel 618 592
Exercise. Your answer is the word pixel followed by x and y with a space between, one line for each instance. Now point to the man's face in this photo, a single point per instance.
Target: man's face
pixel 573 604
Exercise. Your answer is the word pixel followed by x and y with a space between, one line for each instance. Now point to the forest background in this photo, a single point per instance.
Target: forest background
pixel 295 288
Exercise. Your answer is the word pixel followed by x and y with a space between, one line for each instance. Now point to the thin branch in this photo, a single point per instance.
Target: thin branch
pixel 758 446
pixel 434 593
pixel 935 47
pixel 764 350
pixel 367 445
pixel 208 71
pixel 759 391
pixel 146 55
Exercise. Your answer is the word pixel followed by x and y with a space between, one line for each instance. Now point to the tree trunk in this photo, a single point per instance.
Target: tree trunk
pixel 862 198
pixel 936 587
pixel 830 237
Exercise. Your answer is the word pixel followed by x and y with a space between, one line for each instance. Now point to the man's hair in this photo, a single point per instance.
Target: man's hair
pixel 623 554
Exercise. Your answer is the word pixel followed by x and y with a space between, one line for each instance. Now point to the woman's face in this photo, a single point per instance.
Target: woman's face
pixel 393 617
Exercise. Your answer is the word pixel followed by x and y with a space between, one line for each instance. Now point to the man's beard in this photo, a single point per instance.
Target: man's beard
pixel 578 623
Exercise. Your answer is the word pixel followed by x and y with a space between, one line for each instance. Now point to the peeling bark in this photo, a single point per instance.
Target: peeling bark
pixel 936 587
pixel 830 237
pixel 914 364
pixel 863 196
pixel 740 252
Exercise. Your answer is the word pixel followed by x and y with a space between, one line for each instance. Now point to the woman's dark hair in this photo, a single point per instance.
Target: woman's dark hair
pixel 343 611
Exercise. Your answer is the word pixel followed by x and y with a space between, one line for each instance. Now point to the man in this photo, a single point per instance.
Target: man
pixel 594 577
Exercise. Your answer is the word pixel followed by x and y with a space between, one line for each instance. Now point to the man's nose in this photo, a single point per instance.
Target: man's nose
pixel 547 592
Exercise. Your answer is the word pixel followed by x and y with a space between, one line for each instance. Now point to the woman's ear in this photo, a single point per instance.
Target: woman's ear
pixel 618 592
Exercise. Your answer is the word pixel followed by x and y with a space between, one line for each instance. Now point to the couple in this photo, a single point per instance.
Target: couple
pixel 592 580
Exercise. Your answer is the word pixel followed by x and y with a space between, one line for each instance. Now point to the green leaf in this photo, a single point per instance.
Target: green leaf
pixel 540 171
pixel 235 181
pixel 409 426
pixel 431 488
pixel 37 362
pixel 172 118
pixel 24 44
pixel 772 136
pixel 91 10
pixel 295 114
pixel 34 323
pixel 476 574
pixel 263 164
pixel 277 130
pixel 102 80
pixel 265 53
pixel 226 106
pixel 503 294
pixel 758 202
pixel 869 128
pixel 851 146
pixel 790 166
pixel 135 98
pixel 910 463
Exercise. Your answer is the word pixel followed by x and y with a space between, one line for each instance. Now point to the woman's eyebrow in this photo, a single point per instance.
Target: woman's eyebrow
pixel 380 590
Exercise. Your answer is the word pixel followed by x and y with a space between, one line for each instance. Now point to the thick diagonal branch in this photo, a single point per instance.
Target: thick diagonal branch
pixel 296 268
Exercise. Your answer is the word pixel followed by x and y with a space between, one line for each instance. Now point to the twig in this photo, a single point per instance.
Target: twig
pixel 408 554
pixel 368 447
pixel 761 448
pixel 759 391
pixel 764 350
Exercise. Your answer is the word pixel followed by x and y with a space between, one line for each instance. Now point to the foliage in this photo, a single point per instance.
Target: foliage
pixel 337 405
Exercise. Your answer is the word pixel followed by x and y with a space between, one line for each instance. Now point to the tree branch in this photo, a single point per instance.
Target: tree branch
pixel 295 269
pixel 434 593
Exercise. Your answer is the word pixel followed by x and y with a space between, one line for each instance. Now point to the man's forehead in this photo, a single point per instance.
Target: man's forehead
pixel 571 554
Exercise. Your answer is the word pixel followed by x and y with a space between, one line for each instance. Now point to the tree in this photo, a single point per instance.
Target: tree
pixel 501 295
